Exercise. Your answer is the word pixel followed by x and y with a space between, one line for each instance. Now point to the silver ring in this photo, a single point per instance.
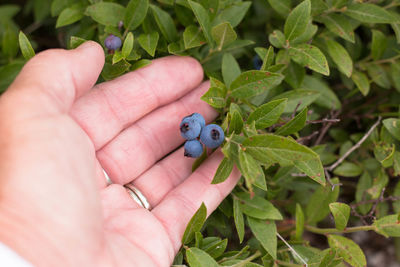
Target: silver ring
pixel 137 196
pixel 108 180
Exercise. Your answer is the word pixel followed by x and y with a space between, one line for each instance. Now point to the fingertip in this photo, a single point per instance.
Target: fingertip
pixel 189 68
pixel 195 66
pixel 93 51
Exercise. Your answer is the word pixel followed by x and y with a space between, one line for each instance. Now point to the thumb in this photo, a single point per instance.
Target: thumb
pixel 52 80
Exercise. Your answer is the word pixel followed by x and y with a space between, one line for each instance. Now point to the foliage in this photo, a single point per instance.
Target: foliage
pixel 304 129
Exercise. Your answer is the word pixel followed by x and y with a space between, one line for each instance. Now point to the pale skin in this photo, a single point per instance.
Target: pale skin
pixel 58 129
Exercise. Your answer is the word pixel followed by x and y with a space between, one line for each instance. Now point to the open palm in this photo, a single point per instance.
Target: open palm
pixel 55 207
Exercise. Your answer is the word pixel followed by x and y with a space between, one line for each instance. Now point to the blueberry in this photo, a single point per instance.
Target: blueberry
pixel 190 128
pixel 112 42
pixel 197 117
pixel 212 136
pixel 193 149
pixel 257 62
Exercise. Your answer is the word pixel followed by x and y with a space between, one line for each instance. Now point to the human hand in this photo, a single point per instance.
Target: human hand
pixel 57 134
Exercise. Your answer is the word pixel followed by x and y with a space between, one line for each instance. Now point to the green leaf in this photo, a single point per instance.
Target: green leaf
pixel 295 124
pixel 135 13
pixel 282 7
pixel 299 221
pixel 348 169
pixel 111 71
pixel 141 64
pixel 10 42
pixel 302 96
pixel 378 183
pixel 361 81
pixel 165 23
pixel 388 225
pixel 307 35
pixel 8 73
pixel 215 97
pixel 230 69
pixel 277 39
pixel 265 232
pixel 223 34
pixel 251 170
pixel 74 42
pixel 128 45
pixel 378 45
pixel 268 59
pixel 269 148
pixel 396 165
pixel 215 248
pixel 195 224
pixel 384 153
pixel 59 5
pixel 238 217
pixel 379 75
pixel 199 258
pixel 294 75
pixel 326 258
pixel 149 41
pixel 41 9
pixel 233 14
pixel 193 37
pixel 296 22
pixel 236 122
pixel 339 25
pixel 311 57
pixel 258 207
pixel 7 11
pixel 369 13
pixel 224 170
pixel 267 114
pixel 348 250
pixel 117 57
pixel 341 214
pixel 25 46
pixel 340 56
pixel 393 126
pixel 327 97
pixel 318 205
pixel 394 73
pixel 254 82
pixel 106 13
pixel 70 15
pixel 364 183
pixel 203 18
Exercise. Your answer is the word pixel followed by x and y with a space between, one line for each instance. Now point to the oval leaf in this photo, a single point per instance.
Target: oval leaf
pixel 311 57
pixel 341 213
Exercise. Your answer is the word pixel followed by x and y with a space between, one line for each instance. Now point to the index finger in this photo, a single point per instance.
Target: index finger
pixel 112 106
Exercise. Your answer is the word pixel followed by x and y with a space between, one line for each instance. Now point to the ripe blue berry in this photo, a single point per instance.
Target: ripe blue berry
pixel 198 117
pixel 257 62
pixel 112 42
pixel 190 128
pixel 212 136
pixel 193 149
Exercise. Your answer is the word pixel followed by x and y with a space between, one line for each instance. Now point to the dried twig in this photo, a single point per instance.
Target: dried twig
pixel 325 129
pixel 295 109
pixel 377 201
pixel 292 249
pixel 323 121
pixel 306 138
pixel 357 145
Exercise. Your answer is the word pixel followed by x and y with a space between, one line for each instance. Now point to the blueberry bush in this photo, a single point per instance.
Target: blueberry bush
pixel 308 93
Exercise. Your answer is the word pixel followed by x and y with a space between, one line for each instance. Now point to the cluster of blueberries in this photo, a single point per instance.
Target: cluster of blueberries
pixel 196 132
pixel 112 42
